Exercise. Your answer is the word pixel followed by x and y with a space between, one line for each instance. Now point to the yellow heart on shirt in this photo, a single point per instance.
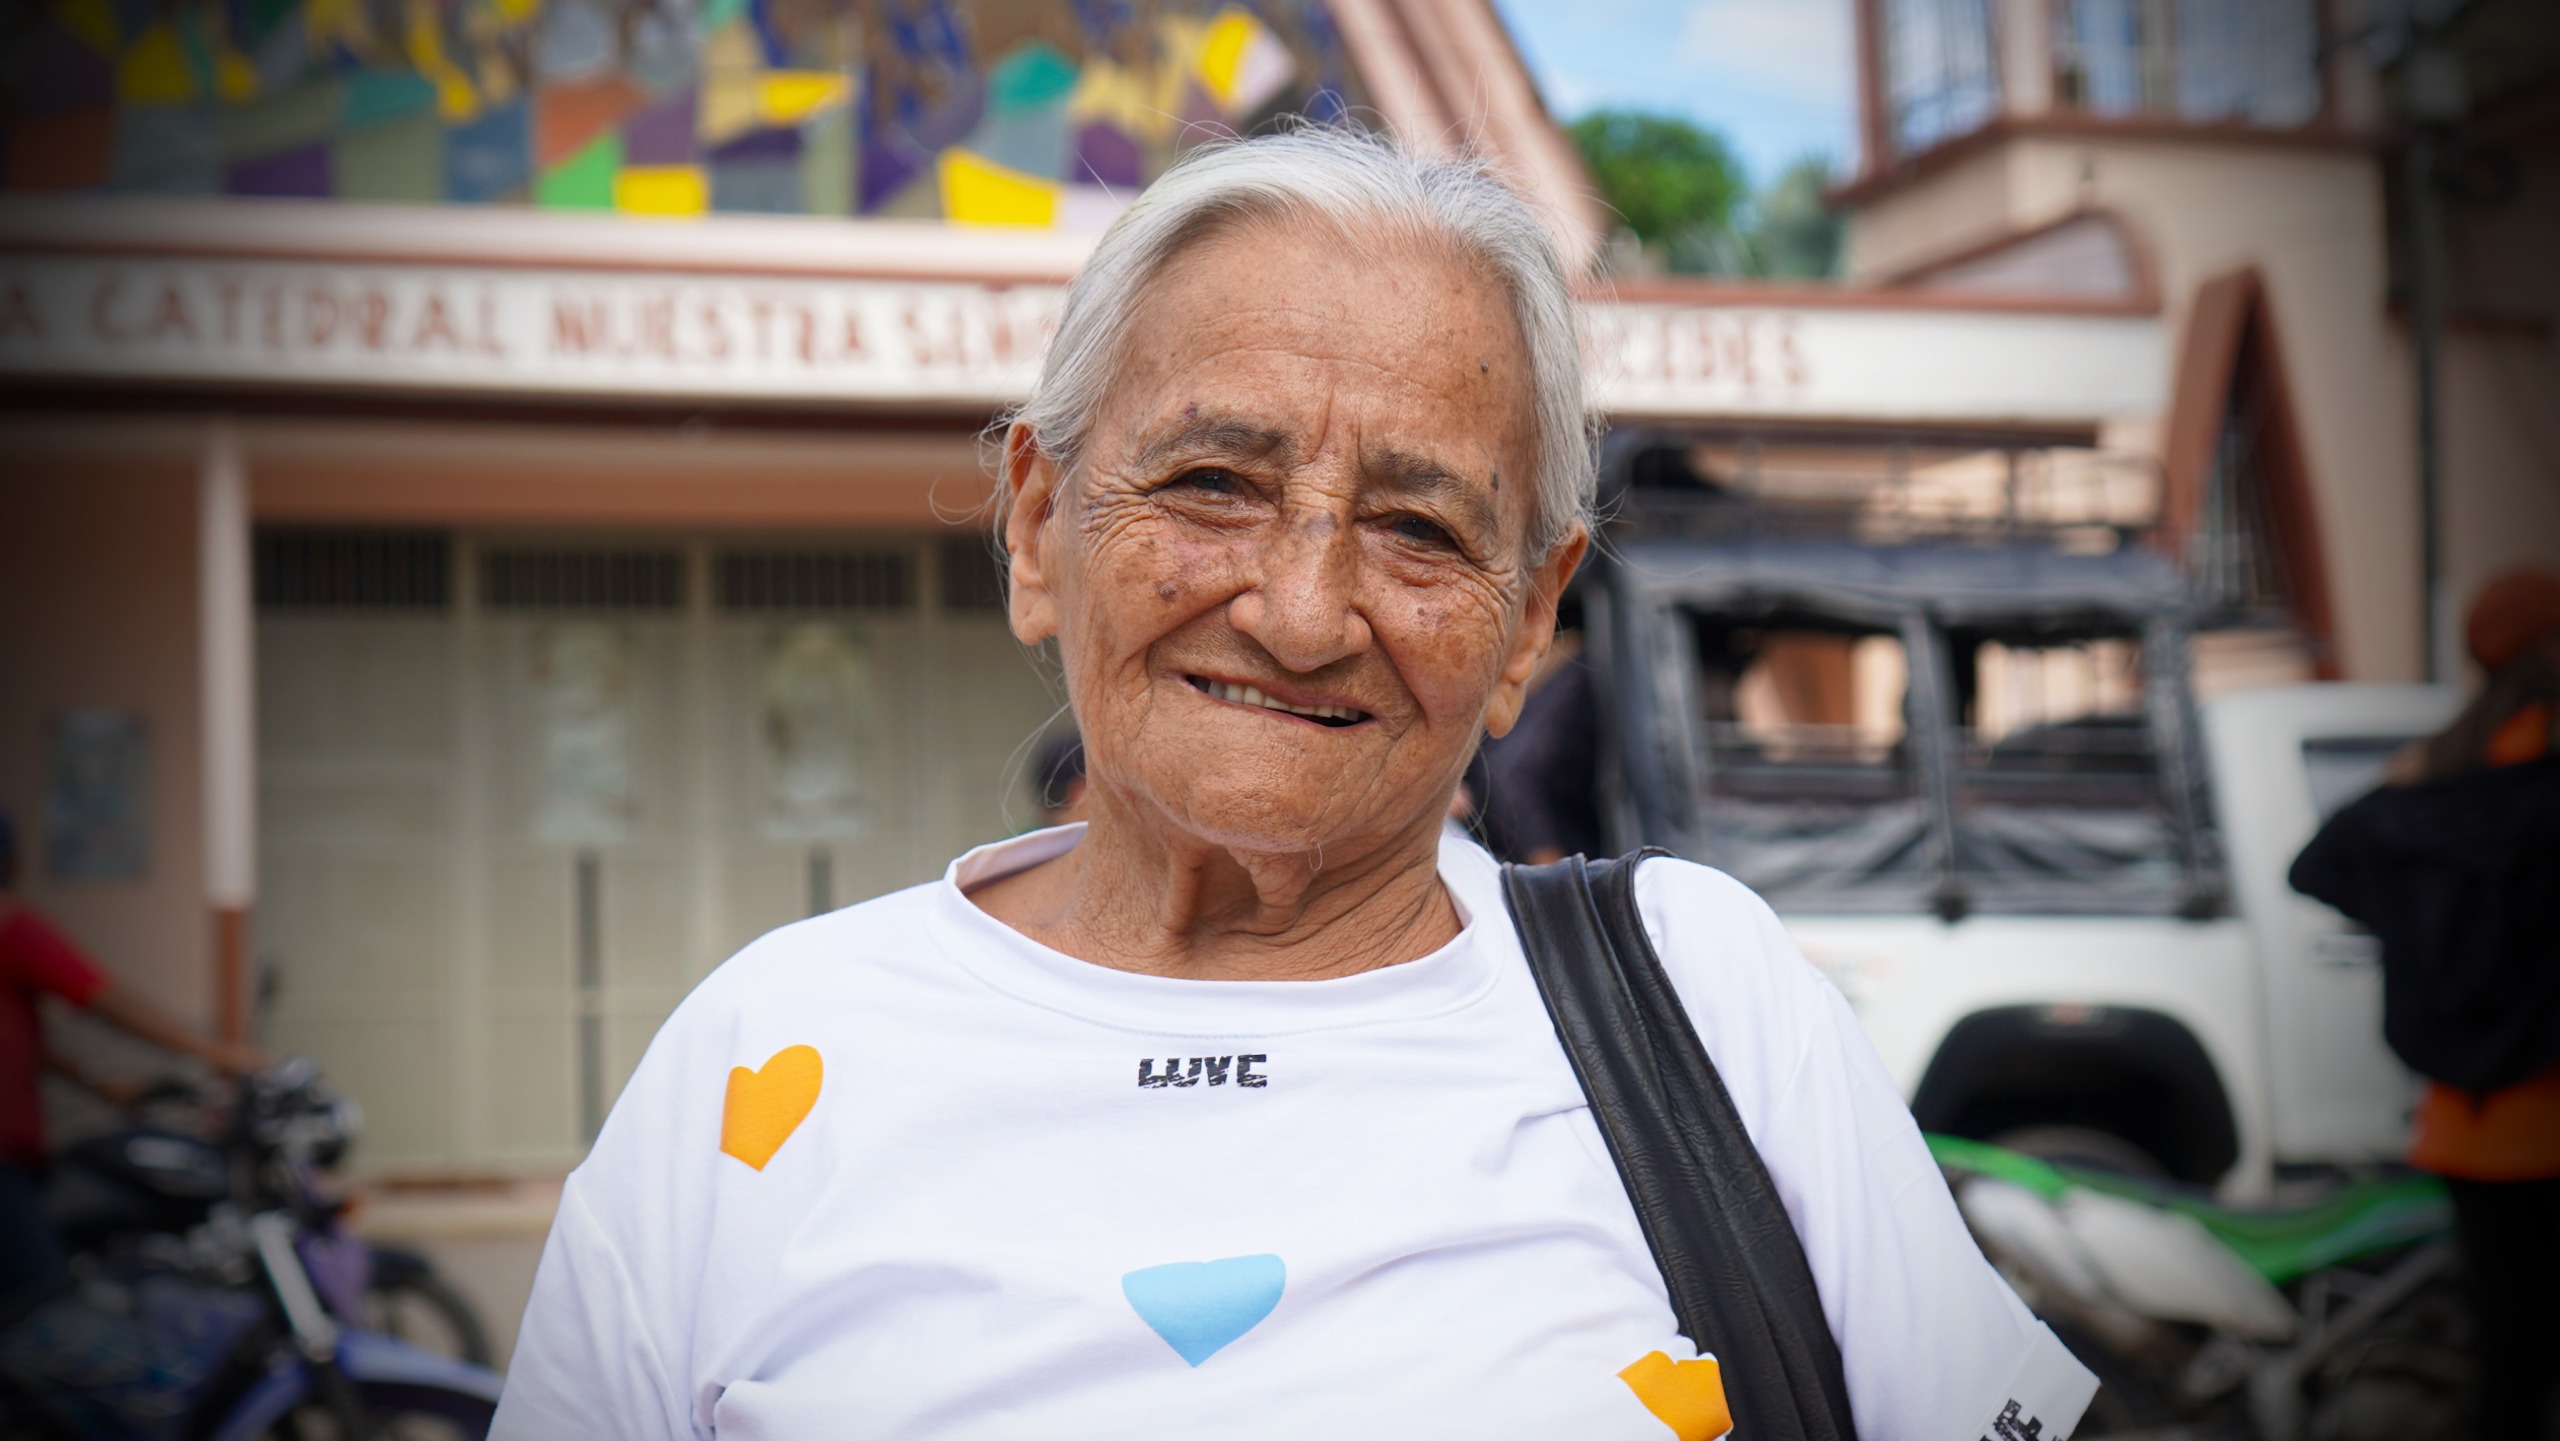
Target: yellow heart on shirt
pixel 766 1106
pixel 1687 1396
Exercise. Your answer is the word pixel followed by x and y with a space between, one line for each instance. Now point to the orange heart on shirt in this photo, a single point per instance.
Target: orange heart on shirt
pixel 764 1107
pixel 1687 1396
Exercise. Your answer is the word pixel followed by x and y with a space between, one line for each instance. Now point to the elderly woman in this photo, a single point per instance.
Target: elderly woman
pixel 1234 1110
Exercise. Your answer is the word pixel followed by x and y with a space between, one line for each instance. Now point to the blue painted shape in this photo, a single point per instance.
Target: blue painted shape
pixel 487 158
pixel 1198 1307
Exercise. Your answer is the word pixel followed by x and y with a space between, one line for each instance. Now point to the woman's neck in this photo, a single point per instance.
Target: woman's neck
pixel 1137 896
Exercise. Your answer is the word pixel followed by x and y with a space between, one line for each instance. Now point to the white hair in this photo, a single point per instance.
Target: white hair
pixel 1362 184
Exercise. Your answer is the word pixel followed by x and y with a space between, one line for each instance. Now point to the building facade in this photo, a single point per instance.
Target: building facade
pixel 493 489
pixel 2304 188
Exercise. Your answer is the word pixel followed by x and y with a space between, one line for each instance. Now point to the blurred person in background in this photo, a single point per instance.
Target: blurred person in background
pixel 2456 866
pixel 37 960
pixel 1538 788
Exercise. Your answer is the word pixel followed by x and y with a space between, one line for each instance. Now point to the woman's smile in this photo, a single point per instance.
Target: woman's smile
pixel 1273 700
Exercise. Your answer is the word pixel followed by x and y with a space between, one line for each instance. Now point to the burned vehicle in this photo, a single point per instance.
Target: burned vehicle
pixel 1970 774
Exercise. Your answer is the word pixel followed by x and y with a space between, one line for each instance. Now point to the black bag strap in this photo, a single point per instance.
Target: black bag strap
pixel 1729 1255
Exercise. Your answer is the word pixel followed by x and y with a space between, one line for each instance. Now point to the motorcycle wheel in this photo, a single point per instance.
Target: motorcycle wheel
pixel 2086 1147
pixel 400 1413
pixel 422 1308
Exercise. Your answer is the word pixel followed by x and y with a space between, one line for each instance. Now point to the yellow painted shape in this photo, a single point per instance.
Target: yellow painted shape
pixel 765 1106
pixel 519 12
pixel 1687 1396
pixel 340 20
pixel 234 76
pixel 456 99
pixel 733 48
pixel 1222 50
pixel 661 190
pixel 978 191
pixel 727 109
pixel 92 20
pixel 790 97
pixel 155 71
pixel 731 65
pixel 1105 91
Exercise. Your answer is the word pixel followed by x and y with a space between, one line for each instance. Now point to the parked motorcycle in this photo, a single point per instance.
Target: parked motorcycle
pixel 2338 1320
pixel 216 1293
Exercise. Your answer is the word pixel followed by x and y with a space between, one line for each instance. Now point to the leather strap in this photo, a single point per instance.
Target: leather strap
pixel 1729 1256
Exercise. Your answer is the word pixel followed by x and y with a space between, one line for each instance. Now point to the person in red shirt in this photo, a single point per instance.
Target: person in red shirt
pixel 38 960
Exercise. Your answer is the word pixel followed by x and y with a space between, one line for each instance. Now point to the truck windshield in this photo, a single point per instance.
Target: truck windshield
pixel 2013 766
pixel 2057 788
pixel 1809 780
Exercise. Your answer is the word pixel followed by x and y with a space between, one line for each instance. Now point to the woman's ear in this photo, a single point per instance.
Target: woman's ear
pixel 1537 630
pixel 1028 493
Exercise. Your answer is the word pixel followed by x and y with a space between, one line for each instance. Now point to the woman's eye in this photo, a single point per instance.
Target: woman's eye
pixel 1210 479
pixel 1421 530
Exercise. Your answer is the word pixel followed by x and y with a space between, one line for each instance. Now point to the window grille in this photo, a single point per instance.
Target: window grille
pixel 2236 553
pixel 582 579
pixel 341 568
pixel 1942 74
pixel 817 580
pixel 972 577
pixel 2256 61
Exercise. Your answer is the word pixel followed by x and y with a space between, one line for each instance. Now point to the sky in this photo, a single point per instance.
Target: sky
pixel 1778 78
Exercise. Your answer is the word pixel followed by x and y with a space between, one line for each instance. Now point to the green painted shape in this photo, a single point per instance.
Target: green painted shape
pixel 402 161
pixel 826 163
pixel 2364 1218
pixel 718 13
pixel 199 55
pixel 263 15
pixel 379 97
pixel 1980 1158
pixel 1031 74
pixel 303 115
pixel 584 181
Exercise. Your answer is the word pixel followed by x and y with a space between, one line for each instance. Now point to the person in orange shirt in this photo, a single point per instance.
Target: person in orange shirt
pixel 2499 1153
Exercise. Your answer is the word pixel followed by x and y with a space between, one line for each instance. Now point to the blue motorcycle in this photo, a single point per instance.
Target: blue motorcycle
pixel 216 1293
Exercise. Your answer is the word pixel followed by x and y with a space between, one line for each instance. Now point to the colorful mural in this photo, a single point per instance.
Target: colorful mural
pixel 997 112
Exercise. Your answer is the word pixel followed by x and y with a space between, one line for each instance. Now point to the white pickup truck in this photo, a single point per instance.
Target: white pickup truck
pixel 1974 782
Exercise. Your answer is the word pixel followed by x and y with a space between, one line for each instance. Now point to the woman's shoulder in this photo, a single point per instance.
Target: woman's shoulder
pixel 1755 1000
pixel 1699 917
pixel 848 950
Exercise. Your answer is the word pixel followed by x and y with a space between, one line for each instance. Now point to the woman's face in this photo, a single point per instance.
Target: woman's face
pixel 1288 577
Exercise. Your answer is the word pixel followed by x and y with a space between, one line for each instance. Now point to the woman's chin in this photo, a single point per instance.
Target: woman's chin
pixel 1333 817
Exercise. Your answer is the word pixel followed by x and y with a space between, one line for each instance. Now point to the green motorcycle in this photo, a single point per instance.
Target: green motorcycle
pixel 2336 1320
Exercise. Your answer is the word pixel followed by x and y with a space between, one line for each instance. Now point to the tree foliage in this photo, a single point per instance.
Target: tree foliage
pixel 1795 234
pixel 1678 188
pixel 1672 182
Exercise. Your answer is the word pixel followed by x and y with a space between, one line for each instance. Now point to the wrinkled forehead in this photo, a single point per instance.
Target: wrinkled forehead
pixel 1406 317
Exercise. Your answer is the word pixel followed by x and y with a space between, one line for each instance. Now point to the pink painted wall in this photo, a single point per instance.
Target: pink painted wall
pixel 98 608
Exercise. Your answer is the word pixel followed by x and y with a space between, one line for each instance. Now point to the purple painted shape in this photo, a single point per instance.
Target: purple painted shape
pixel 302 173
pixel 1105 155
pixel 1201 119
pixel 886 166
pixel 58 72
pixel 760 145
pixel 663 134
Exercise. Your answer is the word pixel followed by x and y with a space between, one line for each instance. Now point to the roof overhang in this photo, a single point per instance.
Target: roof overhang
pixel 786 313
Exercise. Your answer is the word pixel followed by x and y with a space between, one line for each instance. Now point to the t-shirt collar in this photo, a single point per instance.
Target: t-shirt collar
pixel 1456 975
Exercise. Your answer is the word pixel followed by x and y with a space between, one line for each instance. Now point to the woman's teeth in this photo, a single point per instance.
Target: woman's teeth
pixel 1247 695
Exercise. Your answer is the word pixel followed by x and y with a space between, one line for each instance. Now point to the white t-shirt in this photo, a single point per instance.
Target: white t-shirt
pixel 900 1171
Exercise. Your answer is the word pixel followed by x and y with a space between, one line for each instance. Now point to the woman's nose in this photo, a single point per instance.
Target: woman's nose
pixel 1304 610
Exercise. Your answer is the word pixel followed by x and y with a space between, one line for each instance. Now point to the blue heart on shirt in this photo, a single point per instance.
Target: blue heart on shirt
pixel 1200 1306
